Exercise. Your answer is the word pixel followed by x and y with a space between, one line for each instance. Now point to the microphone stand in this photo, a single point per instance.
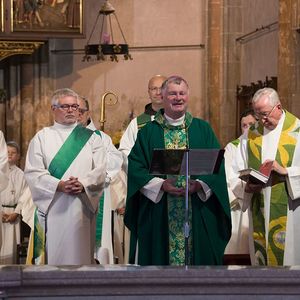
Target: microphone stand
pixel 186 221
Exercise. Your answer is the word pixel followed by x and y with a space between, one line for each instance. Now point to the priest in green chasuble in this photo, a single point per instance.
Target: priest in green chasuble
pixel 155 207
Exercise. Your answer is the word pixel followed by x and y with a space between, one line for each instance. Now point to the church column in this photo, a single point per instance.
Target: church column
pixel 224 23
pixel 28 113
pixel 289 54
pixel 28 102
pixel 214 49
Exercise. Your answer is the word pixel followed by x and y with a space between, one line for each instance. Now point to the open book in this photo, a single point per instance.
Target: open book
pixel 262 176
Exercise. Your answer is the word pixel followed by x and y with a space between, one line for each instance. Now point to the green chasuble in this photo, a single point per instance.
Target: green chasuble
pixel 149 222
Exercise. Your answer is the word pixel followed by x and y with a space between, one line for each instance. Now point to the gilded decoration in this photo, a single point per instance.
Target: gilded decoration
pixel 10 48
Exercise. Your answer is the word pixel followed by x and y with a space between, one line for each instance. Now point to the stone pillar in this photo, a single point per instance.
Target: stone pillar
pixel 289 55
pixel 28 104
pixel 28 113
pixel 214 62
pixel 224 23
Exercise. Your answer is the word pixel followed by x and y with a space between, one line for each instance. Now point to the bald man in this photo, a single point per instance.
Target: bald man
pixel 129 136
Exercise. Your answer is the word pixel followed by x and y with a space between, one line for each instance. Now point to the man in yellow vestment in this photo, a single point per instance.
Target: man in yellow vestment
pixel 273 208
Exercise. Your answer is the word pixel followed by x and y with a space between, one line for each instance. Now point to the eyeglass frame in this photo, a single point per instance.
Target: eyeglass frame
pixel 82 110
pixel 66 107
pixel 267 115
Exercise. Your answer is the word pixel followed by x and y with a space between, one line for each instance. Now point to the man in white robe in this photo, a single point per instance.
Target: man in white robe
pixel 12 206
pixel 239 241
pixel 104 248
pixel 65 170
pixel 3 171
pixel 3 163
pixel 273 208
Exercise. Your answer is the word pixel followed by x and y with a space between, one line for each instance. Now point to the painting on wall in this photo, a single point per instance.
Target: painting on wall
pixel 47 16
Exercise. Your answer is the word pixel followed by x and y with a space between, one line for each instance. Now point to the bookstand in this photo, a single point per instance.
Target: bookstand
pixel 186 162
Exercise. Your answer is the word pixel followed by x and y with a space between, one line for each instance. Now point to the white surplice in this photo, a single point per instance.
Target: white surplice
pixel 70 219
pixel 270 141
pixel 104 253
pixel 128 140
pixel 3 171
pixel 3 163
pixel 10 202
pixel 239 241
pixel 121 233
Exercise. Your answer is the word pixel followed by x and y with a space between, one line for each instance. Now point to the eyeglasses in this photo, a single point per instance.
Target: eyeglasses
pixel 66 107
pixel 155 89
pixel 265 115
pixel 82 110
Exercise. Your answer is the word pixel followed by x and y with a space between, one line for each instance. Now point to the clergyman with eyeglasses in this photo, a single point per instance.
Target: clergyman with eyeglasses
pixel 273 208
pixel 65 170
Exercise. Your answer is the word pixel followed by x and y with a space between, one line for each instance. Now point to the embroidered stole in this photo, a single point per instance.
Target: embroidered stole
pixel 99 217
pixel 176 137
pixel 142 120
pixel 272 253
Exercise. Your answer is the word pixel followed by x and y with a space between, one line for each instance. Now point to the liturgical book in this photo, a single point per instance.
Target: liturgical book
pixel 262 176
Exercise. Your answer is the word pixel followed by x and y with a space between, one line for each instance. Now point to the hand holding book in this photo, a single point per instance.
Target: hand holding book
pixel 262 176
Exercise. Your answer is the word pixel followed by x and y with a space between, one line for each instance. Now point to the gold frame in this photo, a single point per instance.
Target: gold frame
pixel 2 16
pixel 10 48
pixel 38 22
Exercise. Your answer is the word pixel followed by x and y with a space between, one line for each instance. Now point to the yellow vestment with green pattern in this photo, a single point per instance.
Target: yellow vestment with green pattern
pixel 274 214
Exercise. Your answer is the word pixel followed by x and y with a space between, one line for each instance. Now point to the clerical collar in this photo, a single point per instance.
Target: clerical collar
pixel 175 122
pixel 62 126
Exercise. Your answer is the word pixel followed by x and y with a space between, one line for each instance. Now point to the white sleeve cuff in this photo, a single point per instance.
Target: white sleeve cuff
pixel 245 201
pixel 152 189
pixel 205 193
pixel 292 181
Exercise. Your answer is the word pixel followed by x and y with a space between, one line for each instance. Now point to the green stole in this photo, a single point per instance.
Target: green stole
pixel 142 120
pixel 99 218
pixel 176 137
pixel 235 142
pixel 57 168
pixel 273 254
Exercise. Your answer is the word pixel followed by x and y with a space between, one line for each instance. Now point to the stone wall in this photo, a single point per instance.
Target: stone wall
pixel 164 37
pixel 199 40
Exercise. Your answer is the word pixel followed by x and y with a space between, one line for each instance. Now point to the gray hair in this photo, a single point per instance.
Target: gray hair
pixel 61 93
pixel 14 145
pixel 270 93
pixel 86 102
pixel 172 79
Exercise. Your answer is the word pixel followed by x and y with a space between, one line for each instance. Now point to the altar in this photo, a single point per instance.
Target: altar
pixel 153 282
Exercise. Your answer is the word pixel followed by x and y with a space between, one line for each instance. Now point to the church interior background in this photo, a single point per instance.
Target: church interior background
pixel 224 48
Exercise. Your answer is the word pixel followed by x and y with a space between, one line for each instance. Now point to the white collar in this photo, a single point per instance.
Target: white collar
pixel 175 122
pixel 62 126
